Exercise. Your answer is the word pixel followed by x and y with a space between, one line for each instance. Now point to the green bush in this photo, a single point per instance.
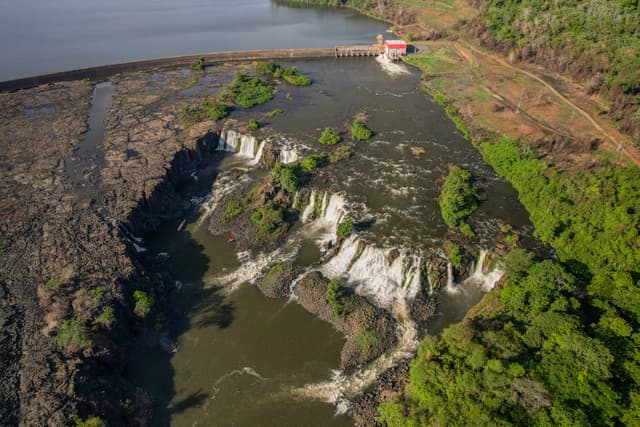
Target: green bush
pixel 107 317
pixel 343 152
pixel 73 335
pixel 287 176
pixel 345 228
pixel 208 109
pixel 359 131
pixel 335 297
pixel 198 65
pixel 329 136
pixel 253 124
pixel 234 209
pixel 143 303
pixel 313 162
pixel 266 67
pixel 458 199
pixel 247 91
pixel 293 76
pixel 54 284
pixel 268 219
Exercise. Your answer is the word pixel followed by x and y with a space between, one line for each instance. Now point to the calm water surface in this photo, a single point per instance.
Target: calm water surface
pixel 42 36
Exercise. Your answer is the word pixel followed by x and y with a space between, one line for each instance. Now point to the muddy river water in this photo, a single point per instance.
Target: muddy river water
pixel 245 360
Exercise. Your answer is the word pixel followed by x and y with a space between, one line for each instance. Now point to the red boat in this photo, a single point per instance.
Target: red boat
pixel 231 239
pixel 181 226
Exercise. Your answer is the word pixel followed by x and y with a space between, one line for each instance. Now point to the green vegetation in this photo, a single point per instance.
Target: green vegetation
pixel 343 152
pixel 359 131
pixel 208 109
pixel 451 111
pixel 287 175
pixel 143 303
pixel 89 422
pixel 597 41
pixel 558 344
pixel 458 199
pixel 335 297
pixel 269 219
pixel 107 317
pixel 329 136
pixel 275 112
pixel 454 253
pixel 293 76
pixel 290 75
pixel 367 343
pixel 234 209
pixel 253 124
pixel 73 335
pixel 247 91
pixel 313 162
pixel 273 276
pixel 198 65
pixel 97 294
pixel 53 284
pixel 344 229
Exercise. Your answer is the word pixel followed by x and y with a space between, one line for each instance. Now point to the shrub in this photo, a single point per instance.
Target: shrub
pixel 335 298
pixel 343 152
pixel 287 176
pixel 359 131
pixel 313 162
pixel 274 275
pixel 247 91
pixel 73 334
pixel 458 199
pixel 329 136
pixel 268 219
pixel 266 67
pixel 293 76
pixel 345 228
pixel 107 317
pixel 54 284
pixel 454 253
pixel 253 124
pixel 234 209
pixel 208 109
pixel 143 303
pixel 198 65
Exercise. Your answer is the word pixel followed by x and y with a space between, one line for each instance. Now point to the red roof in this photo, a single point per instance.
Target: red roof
pixel 395 44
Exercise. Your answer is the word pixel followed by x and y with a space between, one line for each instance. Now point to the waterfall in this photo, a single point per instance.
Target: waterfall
pixel 451 286
pixel 243 145
pixel 309 208
pixel 223 186
pixel 258 155
pixel 227 141
pixel 372 272
pixel 288 155
pixel 486 281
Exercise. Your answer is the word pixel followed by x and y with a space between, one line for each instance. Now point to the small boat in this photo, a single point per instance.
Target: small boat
pixel 181 226
pixel 231 239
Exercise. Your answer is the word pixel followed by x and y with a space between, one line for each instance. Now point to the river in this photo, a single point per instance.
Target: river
pixel 38 36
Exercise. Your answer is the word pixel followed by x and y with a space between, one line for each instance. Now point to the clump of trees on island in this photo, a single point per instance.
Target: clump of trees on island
pixel 291 74
pixel 458 199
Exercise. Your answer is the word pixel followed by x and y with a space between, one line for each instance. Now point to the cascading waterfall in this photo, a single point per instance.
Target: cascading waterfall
pixel 486 280
pixel 451 286
pixel 288 155
pixel 241 144
pixel 375 273
pixel 309 208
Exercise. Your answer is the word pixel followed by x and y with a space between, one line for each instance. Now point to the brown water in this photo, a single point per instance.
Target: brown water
pixel 240 355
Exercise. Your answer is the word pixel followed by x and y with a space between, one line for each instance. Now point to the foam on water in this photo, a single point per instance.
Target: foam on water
pixel 390 67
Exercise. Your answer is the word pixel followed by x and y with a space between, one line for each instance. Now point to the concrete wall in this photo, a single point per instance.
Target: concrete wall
pixel 104 71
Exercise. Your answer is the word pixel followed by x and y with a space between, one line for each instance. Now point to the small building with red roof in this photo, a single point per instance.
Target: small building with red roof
pixel 394 49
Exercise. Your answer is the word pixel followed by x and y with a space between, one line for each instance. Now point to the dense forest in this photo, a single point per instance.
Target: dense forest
pixel 595 41
pixel 558 343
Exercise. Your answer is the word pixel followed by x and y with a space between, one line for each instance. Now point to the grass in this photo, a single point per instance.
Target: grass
pixel 73 335
pixel 367 342
pixel 143 303
pixel 107 317
pixel 335 297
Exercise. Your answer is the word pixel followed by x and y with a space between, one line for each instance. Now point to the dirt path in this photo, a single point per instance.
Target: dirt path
pixel 474 63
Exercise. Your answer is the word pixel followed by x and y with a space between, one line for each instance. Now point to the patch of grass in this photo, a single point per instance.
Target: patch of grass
pixel 268 219
pixel 329 136
pixel 73 335
pixel 54 284
pixel 89 422
pixel 367 342
pixel 143 303
pixel 208 109
pixel 293 76
pixel 97 294
pixel 234 209
pixel 275 112
pixel 343 152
